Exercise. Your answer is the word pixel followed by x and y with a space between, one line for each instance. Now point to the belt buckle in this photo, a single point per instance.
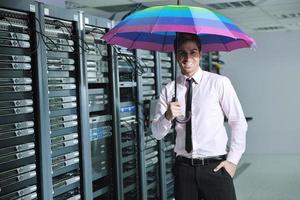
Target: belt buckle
pixel 201 159
pixel 192 161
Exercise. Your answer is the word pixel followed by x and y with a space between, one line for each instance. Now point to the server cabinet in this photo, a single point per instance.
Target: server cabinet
pixel 148 146
pixel 19 113
pixel 128 124
pixel 211 62
pixel 216 62
pixel 98 61
pixel 166 146
pixel 205 61
pixel 64 81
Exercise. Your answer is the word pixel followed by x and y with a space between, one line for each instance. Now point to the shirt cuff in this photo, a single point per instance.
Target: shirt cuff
pixel 233 158
pixel 165 121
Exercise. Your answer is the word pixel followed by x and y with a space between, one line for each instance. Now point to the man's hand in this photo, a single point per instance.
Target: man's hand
pixel 173 110
pixel 228 166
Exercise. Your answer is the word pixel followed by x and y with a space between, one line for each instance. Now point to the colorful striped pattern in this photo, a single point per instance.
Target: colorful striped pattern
pixel 155 29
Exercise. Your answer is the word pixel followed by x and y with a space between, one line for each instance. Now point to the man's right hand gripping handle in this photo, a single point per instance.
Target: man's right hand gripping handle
pixel 173 110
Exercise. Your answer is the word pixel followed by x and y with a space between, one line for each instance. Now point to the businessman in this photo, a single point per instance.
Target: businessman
pixel 205 164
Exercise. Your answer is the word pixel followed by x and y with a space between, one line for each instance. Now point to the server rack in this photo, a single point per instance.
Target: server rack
pixel 70 163
pixel 148 146
pixel 166 70
pixel 211 62
pixel 128 123
pixel 216 64
pixel 62 66
pixel 206 62
pixel 19 111
pixel 98 64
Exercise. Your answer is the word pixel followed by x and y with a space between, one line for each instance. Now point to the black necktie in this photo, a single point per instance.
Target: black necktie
pixel 188 129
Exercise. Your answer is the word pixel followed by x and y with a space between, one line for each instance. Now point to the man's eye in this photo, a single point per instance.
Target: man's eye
pixel 182 54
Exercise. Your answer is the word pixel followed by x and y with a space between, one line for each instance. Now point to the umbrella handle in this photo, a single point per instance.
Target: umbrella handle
pixel 174 99
pixel 186 119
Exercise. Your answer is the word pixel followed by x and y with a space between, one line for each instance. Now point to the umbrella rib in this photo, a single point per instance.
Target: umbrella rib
pixel 224 43
pixel 248 44
pixel 224 24
pixel 193 22
pixel 164 40
pixel 135 39
pixel 156 20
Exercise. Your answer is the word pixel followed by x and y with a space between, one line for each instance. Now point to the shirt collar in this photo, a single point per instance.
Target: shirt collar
pixel 197 77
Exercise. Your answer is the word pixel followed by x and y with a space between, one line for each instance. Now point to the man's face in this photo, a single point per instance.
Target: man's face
pixel 188 57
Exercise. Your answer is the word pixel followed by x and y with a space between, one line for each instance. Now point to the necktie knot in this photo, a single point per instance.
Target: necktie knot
pixel 189 80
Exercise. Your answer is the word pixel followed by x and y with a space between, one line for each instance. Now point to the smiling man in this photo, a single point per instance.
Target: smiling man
pixel 204 164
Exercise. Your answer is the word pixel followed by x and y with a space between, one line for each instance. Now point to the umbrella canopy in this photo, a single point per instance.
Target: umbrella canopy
pixel 155 29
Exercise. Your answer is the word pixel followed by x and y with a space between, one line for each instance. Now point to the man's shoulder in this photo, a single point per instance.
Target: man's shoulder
pixel 214 77
pixel 170 84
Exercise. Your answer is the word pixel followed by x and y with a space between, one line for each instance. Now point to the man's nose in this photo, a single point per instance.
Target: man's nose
pixel 187 56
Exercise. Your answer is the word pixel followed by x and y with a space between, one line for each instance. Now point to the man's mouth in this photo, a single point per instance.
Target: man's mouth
pixel 188 64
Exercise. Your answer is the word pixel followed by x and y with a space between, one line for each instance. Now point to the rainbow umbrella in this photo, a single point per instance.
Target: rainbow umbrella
pixel 155 29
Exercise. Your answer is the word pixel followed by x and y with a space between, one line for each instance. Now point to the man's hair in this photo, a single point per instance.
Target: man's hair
pixel 185 37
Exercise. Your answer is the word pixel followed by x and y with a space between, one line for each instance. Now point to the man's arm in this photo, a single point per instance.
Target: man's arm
pixel 233 110
pixel 236 119
pixel 160 126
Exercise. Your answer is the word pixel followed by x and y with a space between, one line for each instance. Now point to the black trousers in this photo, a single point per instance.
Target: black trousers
pixel 202 183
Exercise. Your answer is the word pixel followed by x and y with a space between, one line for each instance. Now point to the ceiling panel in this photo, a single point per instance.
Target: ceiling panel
pixel 214 1
pixel 274 2
pixel 265 13
pixel 97 3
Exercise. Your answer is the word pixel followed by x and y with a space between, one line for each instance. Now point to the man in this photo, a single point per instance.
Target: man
pixel 204 165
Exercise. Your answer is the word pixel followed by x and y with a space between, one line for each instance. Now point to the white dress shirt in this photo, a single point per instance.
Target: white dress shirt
pixel 213 96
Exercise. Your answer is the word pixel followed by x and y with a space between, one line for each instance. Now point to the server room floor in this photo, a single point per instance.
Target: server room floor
pixel 268 177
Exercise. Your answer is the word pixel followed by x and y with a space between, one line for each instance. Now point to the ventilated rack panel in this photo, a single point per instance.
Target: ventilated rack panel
pixel 18 155
pixel 62 66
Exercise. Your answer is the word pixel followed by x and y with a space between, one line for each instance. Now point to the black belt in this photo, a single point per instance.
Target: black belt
pixel 200 161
